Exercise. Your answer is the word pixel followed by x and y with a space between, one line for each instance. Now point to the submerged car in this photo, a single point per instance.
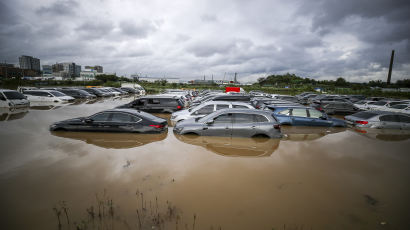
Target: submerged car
pixel 12 99
pixel 114 120
pixel 232 122
pixel 304 116
pixel 156 104
pixel 379 120
pixel 47 96
pixel 207 108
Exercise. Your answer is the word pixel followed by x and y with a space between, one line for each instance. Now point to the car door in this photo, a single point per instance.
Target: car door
pixel 123 122
pixel 318 118
pixel 390 122
pixel 153 105
pixel 98 122
pixel 219 126
pixel 299 117
pixel 243 125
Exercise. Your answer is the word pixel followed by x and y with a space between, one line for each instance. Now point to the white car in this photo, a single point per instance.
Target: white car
pixel 12 99
pixel 364 104
pixel 384 105
pixel 205 109
pixel 400 108
pixel 47 96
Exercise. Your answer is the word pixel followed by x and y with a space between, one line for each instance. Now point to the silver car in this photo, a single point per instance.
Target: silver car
pixel 232 122
pixel 379 119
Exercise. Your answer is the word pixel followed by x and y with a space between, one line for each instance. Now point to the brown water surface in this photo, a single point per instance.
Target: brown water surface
pixel 313 178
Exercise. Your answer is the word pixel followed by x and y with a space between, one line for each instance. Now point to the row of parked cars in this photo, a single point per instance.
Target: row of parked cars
pixel 214 113
pixel 24 95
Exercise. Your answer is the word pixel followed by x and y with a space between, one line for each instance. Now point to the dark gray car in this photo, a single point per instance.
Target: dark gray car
pixel 232 122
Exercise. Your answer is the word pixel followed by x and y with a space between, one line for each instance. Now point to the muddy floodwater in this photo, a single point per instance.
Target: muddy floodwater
pixel 312 178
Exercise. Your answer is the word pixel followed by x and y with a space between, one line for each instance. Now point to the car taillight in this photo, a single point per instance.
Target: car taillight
pixel 362 122
pixel 320 108
pixel 276 126
pixel 157 126
pixel 179 107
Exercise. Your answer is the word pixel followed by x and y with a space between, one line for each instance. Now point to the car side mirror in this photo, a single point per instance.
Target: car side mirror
pixel 196 112
pixel 323 117
pixel 189 110
pixel 210 122
pixel 88 120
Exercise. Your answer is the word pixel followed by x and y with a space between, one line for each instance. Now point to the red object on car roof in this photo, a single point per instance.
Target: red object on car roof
pixel 232 89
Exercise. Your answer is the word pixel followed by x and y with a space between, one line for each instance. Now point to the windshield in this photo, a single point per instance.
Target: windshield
pixel 13 95
pixel 57 94
pixel 380 103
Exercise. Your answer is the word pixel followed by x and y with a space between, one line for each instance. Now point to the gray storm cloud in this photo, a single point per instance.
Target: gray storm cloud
pixel 322 39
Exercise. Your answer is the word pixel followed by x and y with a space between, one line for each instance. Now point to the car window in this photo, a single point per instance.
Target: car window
pixel 314 113
pixel 121 117
pixel 2 97
pixel 101 117
pixel 259 118
pixel 224 118
pixel 285 112
pixel 399 106
pixel 205 110
pixel 153 101
pixel 299 113
pixel 218 107
pixel 139 102
pixel 243 118
pixel 390 118
pixel 240 107
pixel 135 118
pixel 395 103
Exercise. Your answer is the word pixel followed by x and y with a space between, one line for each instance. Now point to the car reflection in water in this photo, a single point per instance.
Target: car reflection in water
pixel 44 105
pixel 9 114
pixel 384 134
pixel 305 133
pixel 113 140
pixel 233 146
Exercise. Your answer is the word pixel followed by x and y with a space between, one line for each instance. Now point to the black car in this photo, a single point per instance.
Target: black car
pixel 96 92
pixel 77 93
pixel 130 90
pixel 114 120
pixel 156 104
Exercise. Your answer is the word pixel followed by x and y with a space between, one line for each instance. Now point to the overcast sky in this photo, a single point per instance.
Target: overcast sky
pixel 321 39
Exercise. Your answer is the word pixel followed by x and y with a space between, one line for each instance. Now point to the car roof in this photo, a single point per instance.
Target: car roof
pixel 161 96
pixel 380 112
pixel 39 90
pixel 254 111
pixel 8 90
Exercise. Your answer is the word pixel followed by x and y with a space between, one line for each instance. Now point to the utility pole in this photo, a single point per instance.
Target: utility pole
pixel 390 67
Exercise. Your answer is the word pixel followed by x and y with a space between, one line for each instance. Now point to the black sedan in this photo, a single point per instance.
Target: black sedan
pixel 114 120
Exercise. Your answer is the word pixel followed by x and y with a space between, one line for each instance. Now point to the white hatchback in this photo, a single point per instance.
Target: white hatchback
pixel 47 96
pixel 12 99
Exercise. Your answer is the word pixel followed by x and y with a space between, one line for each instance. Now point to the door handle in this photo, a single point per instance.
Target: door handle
pixel 253 126
pixel 204 128
pixel 226 127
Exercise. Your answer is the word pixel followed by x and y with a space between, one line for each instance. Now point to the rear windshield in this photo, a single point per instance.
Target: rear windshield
pixel 13 95
pixel 365 115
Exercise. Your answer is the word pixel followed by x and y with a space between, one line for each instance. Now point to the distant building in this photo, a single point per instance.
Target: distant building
pixel 47 69
pixel 97 68
pixel 29 63
pixel 66 69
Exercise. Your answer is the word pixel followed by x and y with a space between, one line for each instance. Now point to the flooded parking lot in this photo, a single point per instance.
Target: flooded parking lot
pixel 312 178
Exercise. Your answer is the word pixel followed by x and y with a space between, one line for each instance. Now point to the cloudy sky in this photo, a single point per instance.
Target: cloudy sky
pixel 321 39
